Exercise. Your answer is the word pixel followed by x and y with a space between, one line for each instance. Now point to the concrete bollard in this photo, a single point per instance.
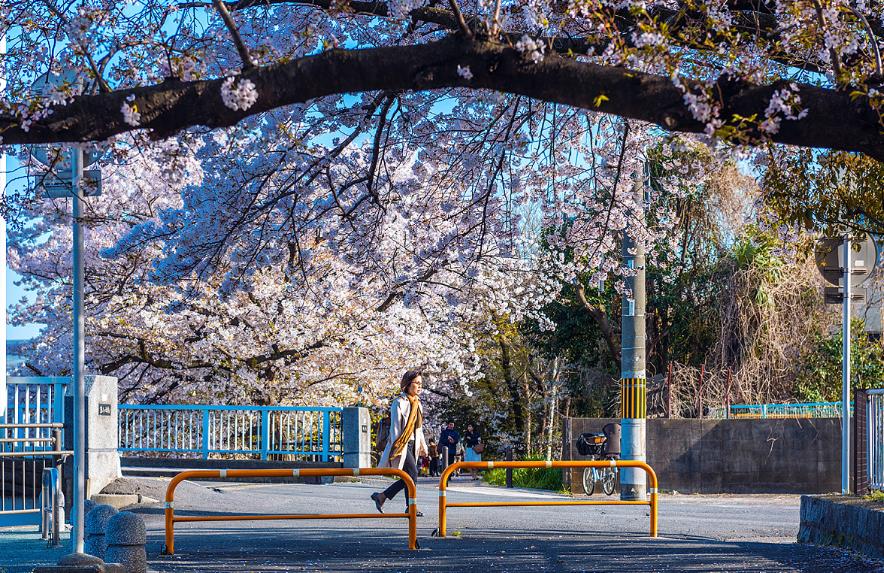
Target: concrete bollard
pixel 126 536
pixel 95 525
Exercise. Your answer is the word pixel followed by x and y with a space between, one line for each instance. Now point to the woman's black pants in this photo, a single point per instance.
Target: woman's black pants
pixel 410 467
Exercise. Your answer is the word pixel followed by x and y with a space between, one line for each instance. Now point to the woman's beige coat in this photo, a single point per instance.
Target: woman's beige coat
pixel 399 411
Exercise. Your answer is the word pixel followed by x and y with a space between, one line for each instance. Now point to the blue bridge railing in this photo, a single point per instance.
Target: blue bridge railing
pixel 289 432
pixel 763 411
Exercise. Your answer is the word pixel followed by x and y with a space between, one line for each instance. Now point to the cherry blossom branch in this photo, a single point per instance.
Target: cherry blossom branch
pixel 461 23
pixel 234 34
pixel 759 19
pixel 833 120
pixel 878 66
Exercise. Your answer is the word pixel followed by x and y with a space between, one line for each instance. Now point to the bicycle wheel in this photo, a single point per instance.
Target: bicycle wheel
pixel 588 480
pixel 609 479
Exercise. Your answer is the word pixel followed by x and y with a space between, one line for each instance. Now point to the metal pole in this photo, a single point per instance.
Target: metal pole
pixel 509 471
pixel 633 482
pixel 845 374
pixel 79 489
pixel 3 253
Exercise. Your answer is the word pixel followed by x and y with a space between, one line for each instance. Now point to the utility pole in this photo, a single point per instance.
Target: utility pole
pixel 839 259
pixel 845 372
pixel 3 251
pixel 633 392
pixel 79 357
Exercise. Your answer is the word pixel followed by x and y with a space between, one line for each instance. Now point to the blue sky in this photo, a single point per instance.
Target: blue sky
pixel 12 292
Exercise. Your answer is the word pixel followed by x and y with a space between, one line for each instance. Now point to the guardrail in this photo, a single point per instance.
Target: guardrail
pixel 774 411
pixel 32 400
pixel 171 519
pixel 20 478
pixel 309 433
pixel 443 485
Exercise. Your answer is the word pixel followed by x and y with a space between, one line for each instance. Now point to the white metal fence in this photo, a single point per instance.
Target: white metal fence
pixel 875 424
pixel 182 430
pixel 31 413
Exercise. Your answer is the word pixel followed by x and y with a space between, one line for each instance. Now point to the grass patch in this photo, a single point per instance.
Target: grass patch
pixel 533 478
pixel 877 496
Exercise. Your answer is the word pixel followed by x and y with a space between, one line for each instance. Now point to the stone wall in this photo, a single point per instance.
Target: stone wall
pixel 732 456
pixel 847 522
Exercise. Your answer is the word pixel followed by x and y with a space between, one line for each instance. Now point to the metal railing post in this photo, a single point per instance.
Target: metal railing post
pixel 326 431
pixel 653 488
pixel 171 519
pixel 205 436
pixel 265 434
pixel 509 471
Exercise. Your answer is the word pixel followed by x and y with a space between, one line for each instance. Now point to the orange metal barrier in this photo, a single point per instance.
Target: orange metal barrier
pixel 443 484
pixel 171 519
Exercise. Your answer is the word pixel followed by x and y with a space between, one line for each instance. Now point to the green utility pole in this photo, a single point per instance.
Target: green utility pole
pixel 633 393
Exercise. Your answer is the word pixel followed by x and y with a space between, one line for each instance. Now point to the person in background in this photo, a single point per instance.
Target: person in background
pixel 449 440
pixel 471 439
pixel 406 443
pixel 434 457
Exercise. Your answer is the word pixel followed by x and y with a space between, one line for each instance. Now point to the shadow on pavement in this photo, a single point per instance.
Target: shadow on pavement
pixel 348 550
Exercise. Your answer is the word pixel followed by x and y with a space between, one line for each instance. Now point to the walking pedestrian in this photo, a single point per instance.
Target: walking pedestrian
pixel 406 443
pixel 472 442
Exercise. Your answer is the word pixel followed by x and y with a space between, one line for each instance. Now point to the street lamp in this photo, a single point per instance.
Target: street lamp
pixel 63 186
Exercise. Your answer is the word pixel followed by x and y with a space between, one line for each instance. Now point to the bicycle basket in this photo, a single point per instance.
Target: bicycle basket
pixel 589 444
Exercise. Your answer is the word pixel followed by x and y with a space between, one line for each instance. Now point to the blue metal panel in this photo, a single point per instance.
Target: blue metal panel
pixel 241 431
pixel 228 408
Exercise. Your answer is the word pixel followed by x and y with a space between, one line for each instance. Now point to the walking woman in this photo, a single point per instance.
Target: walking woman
pixel 406 443
pixel 473 447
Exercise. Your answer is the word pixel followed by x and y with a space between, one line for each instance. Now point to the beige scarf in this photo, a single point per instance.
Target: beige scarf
pixel 415 420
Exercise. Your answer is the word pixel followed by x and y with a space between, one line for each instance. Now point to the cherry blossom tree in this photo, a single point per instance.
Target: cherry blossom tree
pixel 804 72
pixel 299 194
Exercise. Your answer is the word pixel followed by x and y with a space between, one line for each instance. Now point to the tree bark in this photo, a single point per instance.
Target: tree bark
pixel 604 324
pixel 833 121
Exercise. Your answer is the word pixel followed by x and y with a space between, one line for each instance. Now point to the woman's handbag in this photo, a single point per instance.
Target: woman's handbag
pixel 479 448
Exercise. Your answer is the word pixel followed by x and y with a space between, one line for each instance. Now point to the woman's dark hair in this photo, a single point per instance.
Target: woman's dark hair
pixel 409 377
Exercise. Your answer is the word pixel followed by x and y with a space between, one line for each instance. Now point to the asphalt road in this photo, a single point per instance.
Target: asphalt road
pixel 697 533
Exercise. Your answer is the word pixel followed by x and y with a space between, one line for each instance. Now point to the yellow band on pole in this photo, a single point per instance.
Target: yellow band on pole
pixel 633 398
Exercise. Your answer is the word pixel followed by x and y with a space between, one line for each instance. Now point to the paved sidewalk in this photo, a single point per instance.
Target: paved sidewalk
pixel 698 533
pixel 21 548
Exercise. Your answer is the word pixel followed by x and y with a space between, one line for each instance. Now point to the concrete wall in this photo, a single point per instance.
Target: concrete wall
pixel 733 456
pixel 102 431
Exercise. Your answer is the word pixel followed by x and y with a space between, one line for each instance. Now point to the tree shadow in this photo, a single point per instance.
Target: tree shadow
pixel 296 548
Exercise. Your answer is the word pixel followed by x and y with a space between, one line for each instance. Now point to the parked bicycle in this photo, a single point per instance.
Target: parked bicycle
pixel 603 446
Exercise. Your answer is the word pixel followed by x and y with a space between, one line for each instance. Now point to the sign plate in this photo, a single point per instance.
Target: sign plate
pixel 104 409
pixel 833 295
pixel 829 254
pixel 61 187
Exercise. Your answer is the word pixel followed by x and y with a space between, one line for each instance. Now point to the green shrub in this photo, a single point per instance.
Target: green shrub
pixel 533 478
